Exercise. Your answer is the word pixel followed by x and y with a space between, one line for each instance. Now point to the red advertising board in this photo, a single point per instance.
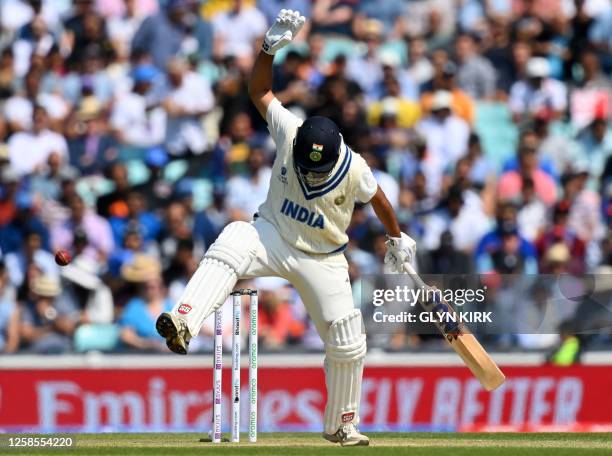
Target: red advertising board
pixel 394 398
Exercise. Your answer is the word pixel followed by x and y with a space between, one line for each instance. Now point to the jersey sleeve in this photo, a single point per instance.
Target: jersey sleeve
pixel 282 124
pixel 367 185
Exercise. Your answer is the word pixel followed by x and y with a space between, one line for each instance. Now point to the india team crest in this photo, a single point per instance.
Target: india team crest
pixel 316 153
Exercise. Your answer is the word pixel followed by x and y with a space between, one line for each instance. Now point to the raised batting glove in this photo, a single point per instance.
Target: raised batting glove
pixel 287 25
pixel 399 250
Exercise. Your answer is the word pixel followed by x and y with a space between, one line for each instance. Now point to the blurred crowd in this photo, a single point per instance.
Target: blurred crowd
pixel 127 138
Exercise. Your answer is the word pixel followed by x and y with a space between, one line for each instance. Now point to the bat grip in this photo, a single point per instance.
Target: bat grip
pixel 413 274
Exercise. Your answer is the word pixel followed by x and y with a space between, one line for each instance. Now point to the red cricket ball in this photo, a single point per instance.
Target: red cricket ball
pixel 62 257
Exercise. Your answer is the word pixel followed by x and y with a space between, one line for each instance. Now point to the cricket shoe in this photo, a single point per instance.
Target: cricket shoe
pixel 175 331
pixel 348 435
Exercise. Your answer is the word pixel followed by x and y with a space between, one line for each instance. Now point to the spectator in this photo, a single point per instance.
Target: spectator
pixel 366 70
pixel 9 315
pixel 89 78
pixel 510 182
pixel 246 192
pixel 585 205
pixel 30 150
pixel 35 39
pixel 289 85
pixel 482 171
pixel 135 121
pixel 461 215
pixel 164 34
pixel 90 145
pixel 569 349
pixel 137 320
pixel 276 324
pixel 19 261
pixel 232 149
pixel 444 79
pixel 580 25
pixel 47 322
pixel 596 147
pixel 476 76
pixel 97 230
pixel 531 217
pixel 189 97
pixel 445 133
pixel 26 220
pixel 115 202
pixel 406 112
pixel 122 28
pixel 209 222
pixel 556 151
pixel 537 94
pixel 445 259
pixel 86 291
pixel 83 29
pixel 130 244
pixel 47 184
pixel 237 29
pixel 498 50
pixel 592 75
pixel 19 108
pixel 600 35
pixel 390 14
pixel 182 266
pixel 138 217
pixel 533 140
pixel 333 16
pixel 10 185
pixel 504 250
pixel 420 69
pixel 178 227
pixel 561 234
pixel 58 190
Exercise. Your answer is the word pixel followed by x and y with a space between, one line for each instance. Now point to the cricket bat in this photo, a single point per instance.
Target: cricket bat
pixel 462 341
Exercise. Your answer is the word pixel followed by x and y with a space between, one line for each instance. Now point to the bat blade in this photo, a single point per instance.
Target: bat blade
pixel 464 343
pixel 477 360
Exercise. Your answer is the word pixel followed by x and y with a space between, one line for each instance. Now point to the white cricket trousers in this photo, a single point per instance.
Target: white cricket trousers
pixel 321 280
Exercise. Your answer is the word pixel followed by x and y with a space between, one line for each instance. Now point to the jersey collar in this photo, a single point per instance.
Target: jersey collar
pixel 314 191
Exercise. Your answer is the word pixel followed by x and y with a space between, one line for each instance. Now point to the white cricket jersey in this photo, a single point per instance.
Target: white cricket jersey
pixel 314 219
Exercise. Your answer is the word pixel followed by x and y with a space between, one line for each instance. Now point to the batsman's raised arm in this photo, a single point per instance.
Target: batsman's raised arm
pixel 287 25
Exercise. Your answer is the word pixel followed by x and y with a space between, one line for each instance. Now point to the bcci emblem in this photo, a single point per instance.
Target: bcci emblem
pixel 316 153
pixel 339 200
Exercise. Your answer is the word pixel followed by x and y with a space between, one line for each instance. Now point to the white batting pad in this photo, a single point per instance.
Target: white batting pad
pixel 223 264
pixel 345 351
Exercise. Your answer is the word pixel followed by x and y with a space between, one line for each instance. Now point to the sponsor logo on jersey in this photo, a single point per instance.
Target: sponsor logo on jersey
pixel 302 214
pixel 184 309
pixel 348 417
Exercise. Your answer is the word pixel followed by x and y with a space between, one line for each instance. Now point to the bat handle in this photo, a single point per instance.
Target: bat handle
pixel 413 274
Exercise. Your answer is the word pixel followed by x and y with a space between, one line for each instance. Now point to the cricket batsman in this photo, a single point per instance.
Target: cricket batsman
pixel 299 234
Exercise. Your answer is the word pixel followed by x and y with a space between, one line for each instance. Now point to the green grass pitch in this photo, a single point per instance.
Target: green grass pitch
pixel 281 444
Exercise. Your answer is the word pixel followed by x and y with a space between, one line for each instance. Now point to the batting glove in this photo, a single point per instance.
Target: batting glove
pixel 287 25
pixel 399 251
